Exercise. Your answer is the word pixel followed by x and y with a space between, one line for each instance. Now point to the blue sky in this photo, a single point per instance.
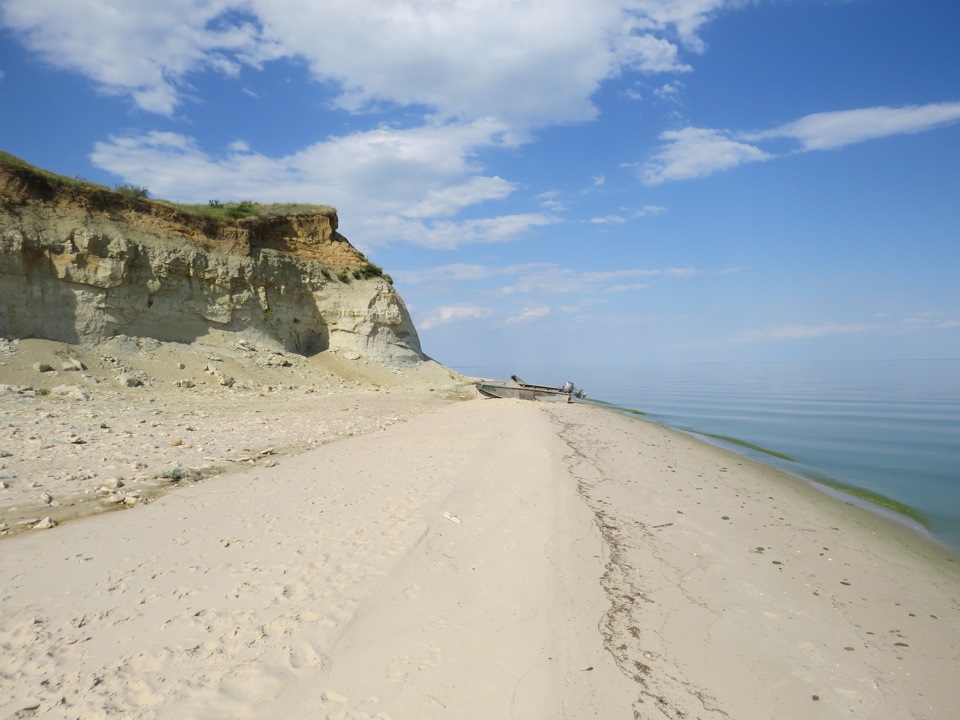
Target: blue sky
pixel 562 182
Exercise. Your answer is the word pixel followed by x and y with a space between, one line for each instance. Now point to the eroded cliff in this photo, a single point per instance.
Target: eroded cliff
pixel 80 266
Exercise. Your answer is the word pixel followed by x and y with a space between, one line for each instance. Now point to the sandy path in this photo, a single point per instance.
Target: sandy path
pixel 334 585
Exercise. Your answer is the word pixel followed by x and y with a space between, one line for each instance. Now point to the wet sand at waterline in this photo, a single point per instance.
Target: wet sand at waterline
pixel 484 559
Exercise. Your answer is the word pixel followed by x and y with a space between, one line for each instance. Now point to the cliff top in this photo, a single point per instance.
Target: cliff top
pixel 301 230
pixel 23 183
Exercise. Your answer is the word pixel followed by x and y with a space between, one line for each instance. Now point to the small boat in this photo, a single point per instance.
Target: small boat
pixel 519 390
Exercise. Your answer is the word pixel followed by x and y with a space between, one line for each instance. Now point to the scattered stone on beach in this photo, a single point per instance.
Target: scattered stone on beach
pixel 72 365
pixel 71 392
pixel 42 367
pixel 113 483
pixel 185 383
pixel 45 524
pixel 46 498
pixel 130 381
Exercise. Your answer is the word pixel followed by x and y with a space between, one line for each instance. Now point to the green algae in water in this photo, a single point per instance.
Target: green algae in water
pixel 875 498
pixel 751 446
pixel 631 411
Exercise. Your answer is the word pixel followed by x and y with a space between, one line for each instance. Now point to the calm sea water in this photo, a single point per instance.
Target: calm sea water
pixel 892 427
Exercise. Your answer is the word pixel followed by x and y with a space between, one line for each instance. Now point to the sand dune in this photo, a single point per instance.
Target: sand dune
pixel 486 559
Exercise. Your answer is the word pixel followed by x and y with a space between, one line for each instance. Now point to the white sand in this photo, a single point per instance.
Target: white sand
pixel 488 559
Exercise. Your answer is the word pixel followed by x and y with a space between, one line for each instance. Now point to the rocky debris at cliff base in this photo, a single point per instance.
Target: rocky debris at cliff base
pixel 98 446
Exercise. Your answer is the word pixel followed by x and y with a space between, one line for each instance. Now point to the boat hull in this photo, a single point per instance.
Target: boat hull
pixel 516 389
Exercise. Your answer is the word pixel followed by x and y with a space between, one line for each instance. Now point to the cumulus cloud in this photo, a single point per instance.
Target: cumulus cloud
pixel 142 50
pixel 529 64
pixel 697 152
pixel 394 184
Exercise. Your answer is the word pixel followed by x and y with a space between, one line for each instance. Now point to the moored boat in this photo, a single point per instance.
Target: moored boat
pixel 517 389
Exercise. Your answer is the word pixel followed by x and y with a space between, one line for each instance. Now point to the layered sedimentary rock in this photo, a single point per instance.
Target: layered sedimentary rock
pixel 80 267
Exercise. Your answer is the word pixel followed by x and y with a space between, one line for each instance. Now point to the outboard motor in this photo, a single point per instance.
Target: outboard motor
pixel 580 395
pixel 567 388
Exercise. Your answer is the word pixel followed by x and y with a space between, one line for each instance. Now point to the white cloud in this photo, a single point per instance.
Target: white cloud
pixel 828 130
pixel 600 277
pixel 628 287
pixel 528 64
pixel 142 50
pixel 529 314
pixel 648 210
pixel 393 184
pixel 669 92
pixel 459 272
pixel 698 152
pixel 454 313
pixel 608 220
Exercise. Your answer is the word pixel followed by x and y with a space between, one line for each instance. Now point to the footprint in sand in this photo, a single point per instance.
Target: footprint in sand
pixel 305 656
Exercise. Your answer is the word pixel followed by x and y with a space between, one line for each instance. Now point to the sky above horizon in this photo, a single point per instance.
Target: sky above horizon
pixel 573 182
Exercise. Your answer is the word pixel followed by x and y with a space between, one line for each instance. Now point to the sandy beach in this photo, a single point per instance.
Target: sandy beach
pixel 476 559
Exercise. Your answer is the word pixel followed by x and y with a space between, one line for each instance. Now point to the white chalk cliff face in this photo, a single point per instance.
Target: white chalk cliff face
pixel 81 267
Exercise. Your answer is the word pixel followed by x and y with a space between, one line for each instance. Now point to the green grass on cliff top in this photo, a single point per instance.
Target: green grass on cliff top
pixel 213 210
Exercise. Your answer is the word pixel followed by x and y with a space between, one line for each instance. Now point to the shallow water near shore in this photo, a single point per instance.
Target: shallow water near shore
pixel 890 427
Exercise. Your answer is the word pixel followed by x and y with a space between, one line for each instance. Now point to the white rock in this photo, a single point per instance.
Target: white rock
pixel 73 365
pixel 72 392
pixel 46 498
pixel 44 524
pixel 42 367
pixel 114 483
pixel 130 381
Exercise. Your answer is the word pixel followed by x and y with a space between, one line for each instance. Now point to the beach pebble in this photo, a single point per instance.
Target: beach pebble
pixel 129 381
pixel 42 367
pixel 46 498
pixel 73 365
pixel 44 524
pixel 113 483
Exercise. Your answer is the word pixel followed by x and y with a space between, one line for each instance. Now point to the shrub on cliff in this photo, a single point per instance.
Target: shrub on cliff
pixel 132 191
